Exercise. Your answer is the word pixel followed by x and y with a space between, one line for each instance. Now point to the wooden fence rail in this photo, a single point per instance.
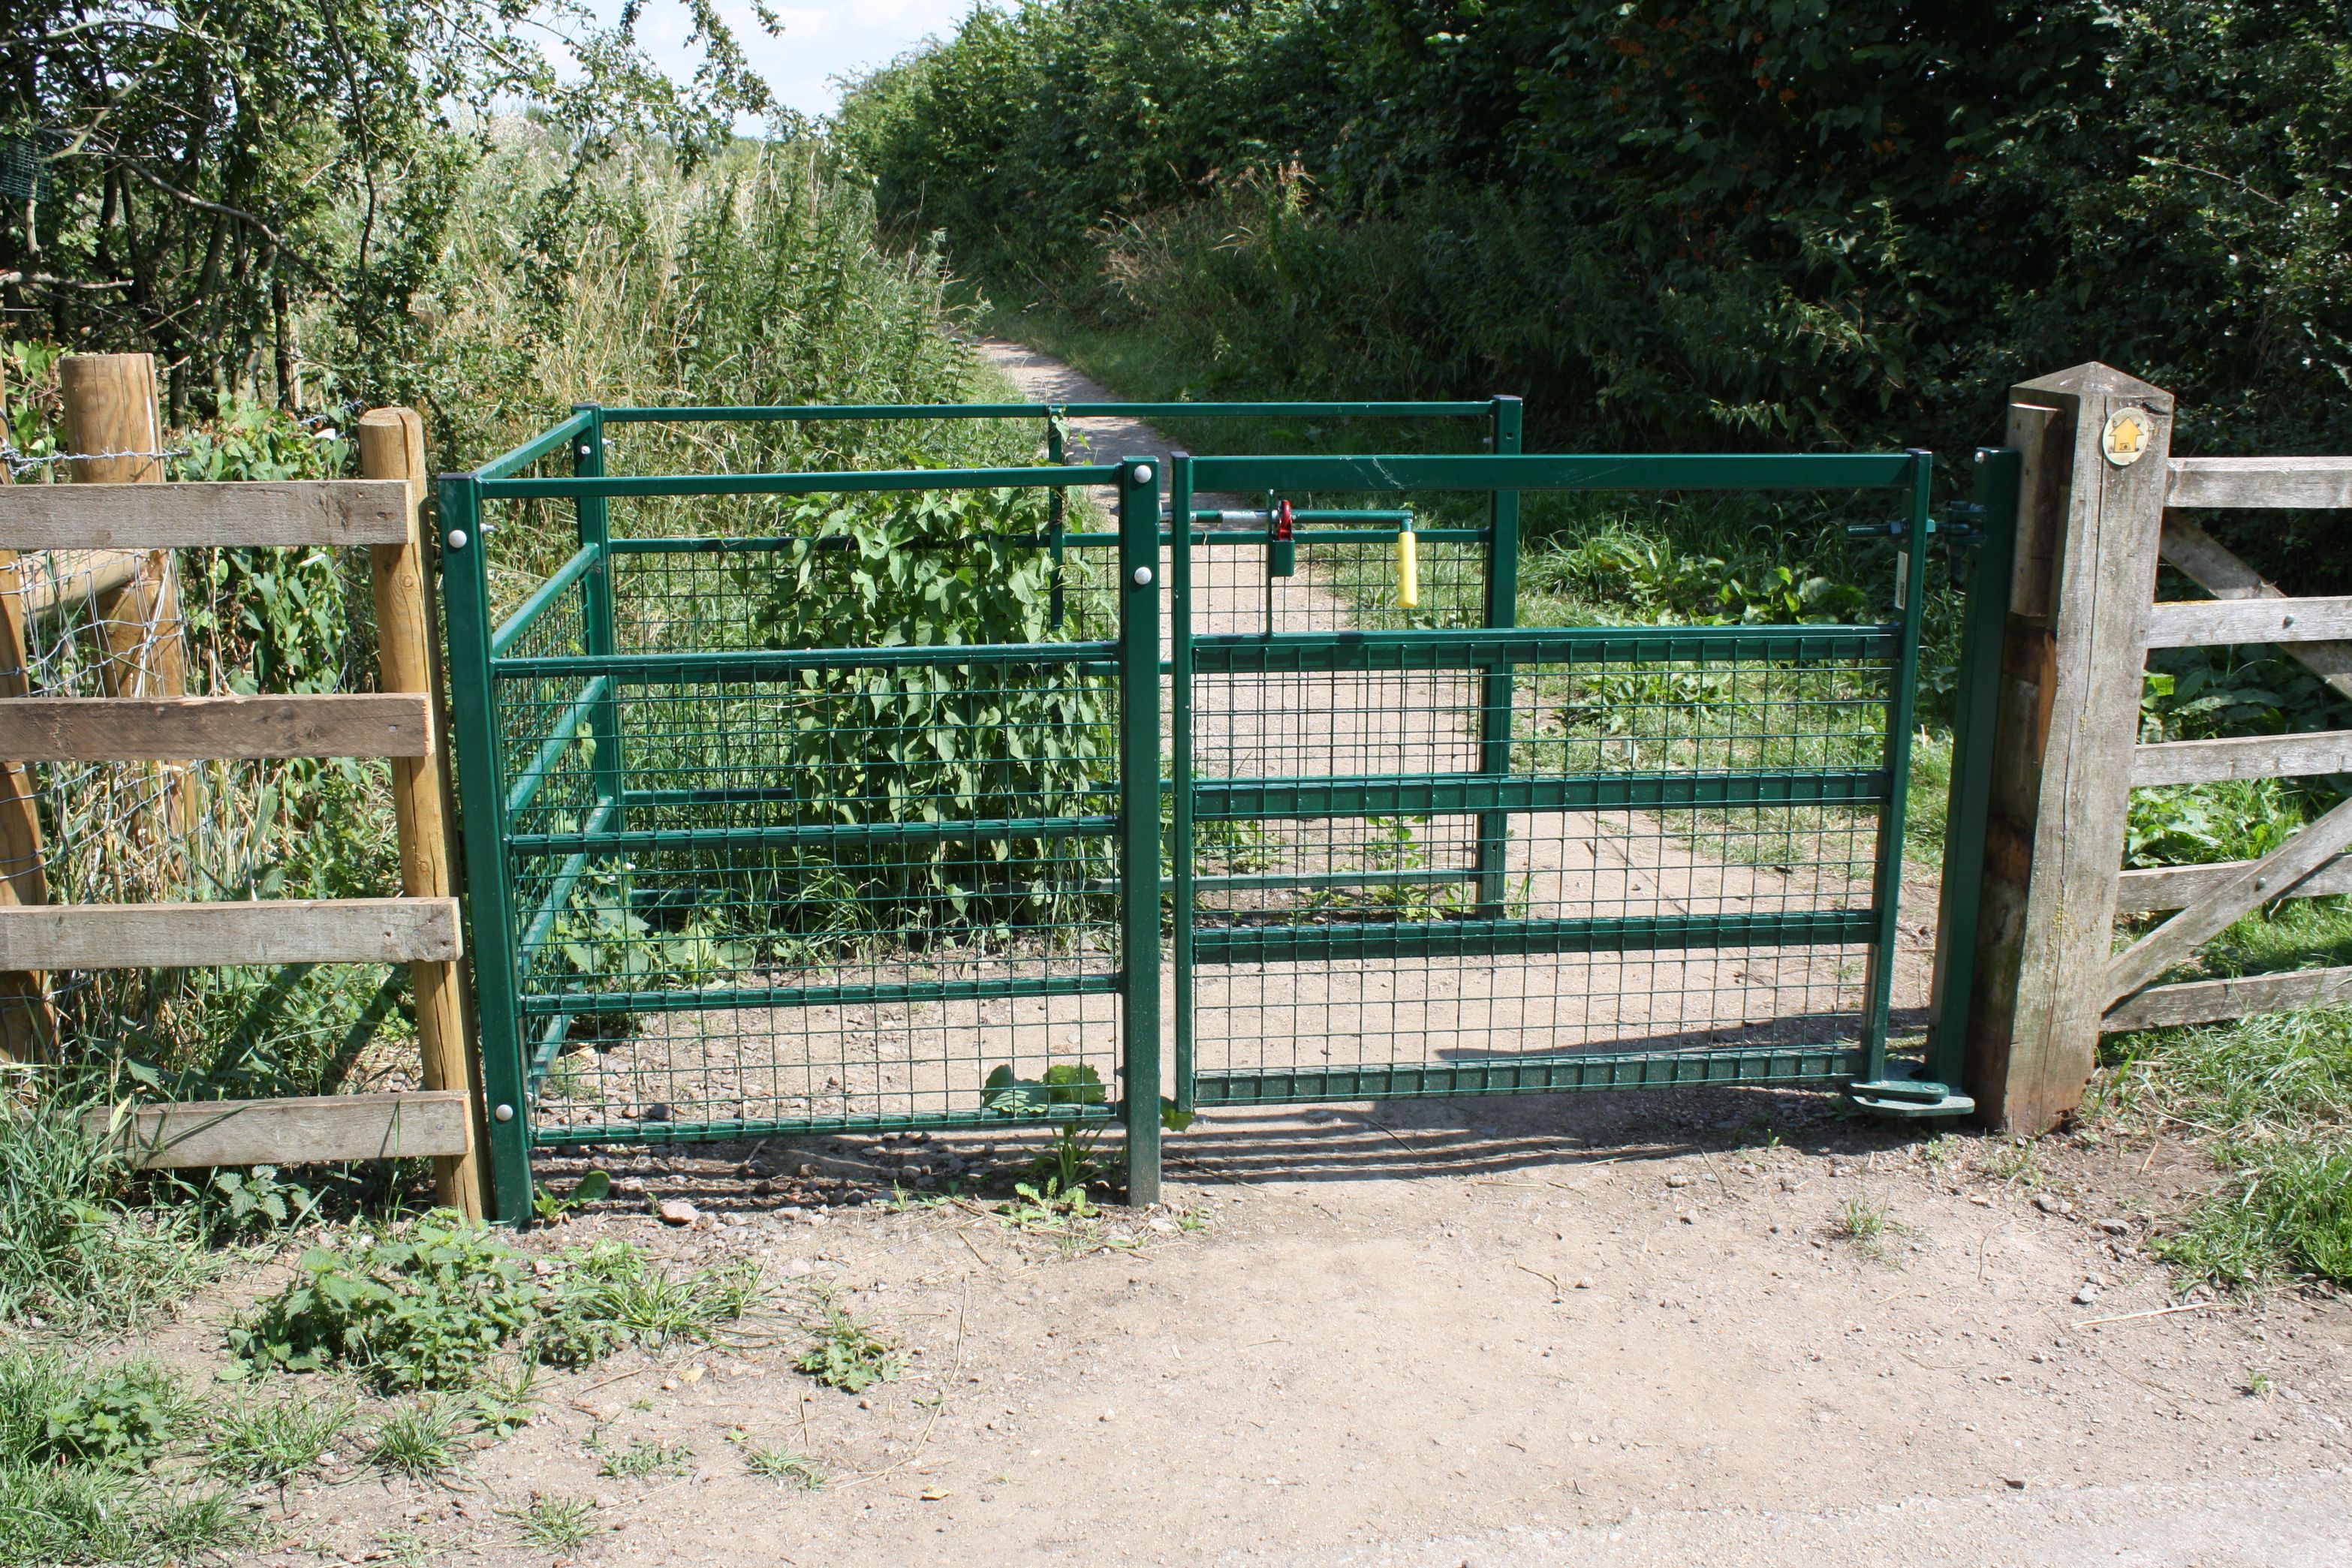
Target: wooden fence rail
pixel 133 524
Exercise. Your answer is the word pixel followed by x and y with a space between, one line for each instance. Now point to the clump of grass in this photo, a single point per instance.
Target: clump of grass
pixel 557 1523
pixel 78 1444
pixel 276 1440
pixel 611 1294
pixel 1862 1219
pixel 2287 1209
pixel 419 1439
pixel 847 1354
pixel 646 1458
pixel 778 1463
pixel 72 1252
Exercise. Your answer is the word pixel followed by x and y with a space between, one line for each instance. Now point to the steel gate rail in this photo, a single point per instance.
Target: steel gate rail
pixel 1443 860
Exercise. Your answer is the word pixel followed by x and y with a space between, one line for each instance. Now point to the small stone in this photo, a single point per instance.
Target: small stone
pixel 1107 1415
pixel 656 1112
pixel 677 1212
pixel 2116 1227
pixel 1584 1284
pixel 865 1404
pixel 1980 1200
pixel 1678 1180
pixel 2086 1295
pixel 2045 1203
pixel 2014 1483
pixel 1841 1170
pixel 1161 1223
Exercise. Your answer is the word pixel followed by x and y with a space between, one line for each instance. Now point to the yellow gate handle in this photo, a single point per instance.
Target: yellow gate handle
pixel 1408 570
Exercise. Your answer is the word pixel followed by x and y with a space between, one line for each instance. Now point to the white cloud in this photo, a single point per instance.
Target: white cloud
pixel 822 40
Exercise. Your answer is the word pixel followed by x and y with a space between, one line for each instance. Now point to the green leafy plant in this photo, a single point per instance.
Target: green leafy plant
pixel 124 1417
pixel 555 1208
pixel 256 1199
pixel 611 1294
pixel 425 1306
pixel 1063 1083
pixel 847 1354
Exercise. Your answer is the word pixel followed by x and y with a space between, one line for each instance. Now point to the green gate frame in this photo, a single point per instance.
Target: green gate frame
pixel 484 655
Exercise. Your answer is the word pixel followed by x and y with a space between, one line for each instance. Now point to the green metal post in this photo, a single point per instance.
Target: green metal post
pixel 1057 504
pixel 1495 704
pixel 1982 633
pixel 1180 736
pixel 1902 701
pixel 473 706
pixel 1138 808
pixel 595 526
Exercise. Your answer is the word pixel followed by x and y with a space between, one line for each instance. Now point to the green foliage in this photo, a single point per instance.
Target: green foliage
pixel 646 1458
pixel 2286 1210
pixel 560 1524
pixel 1672 225
pixel 847 1352
pixel 276 1440
pixel 52 1514
pixel 255 1199
pixel 422 1438
pixel 551 1206
pixel 784 1464
pixel 435 1304
pixel 54 1411
pixel 425 1306
pixel 1063 1084
pixel 72 1251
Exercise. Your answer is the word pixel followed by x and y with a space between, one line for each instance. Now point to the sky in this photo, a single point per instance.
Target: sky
pixel 822 40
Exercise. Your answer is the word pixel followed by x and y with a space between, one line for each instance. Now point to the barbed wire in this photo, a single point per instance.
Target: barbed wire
pixel 22 463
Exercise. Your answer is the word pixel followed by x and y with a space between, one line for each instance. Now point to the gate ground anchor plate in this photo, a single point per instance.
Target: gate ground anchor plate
pixel 1909 1097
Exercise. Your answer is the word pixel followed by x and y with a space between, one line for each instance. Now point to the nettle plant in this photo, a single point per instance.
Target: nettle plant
pixel 934 743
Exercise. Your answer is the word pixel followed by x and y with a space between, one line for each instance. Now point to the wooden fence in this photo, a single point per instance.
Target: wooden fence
pixel 135 523
pixel 2100 507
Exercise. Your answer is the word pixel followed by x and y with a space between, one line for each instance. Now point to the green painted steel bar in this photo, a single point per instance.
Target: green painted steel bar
pixel 877 482
pixel 1795 471
pixel 594 516
pixel 553 903
pixel 1911 594
pixel 1472 648
pixel 1454 794
pixel 752 413
pixel 688 1000
pixel 1058 503
pixel 813 836
pixel 488 886
pixel 1340 942
pixel 545 594
pixel 1534 1075
pixel 526 786
pixel 653 1133
pixel 1969 811
pixel 1139 784
pixel 1184 880
pixel 748 543
pixel 1240 882
pixel 1504 438
pixel 531 451
pixel 1341 514
pixel 775 663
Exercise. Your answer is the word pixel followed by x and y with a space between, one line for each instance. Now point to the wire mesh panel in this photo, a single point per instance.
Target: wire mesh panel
pixel 1420 855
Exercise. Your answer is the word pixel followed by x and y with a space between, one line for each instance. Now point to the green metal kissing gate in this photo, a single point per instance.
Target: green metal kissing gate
pixel 801 802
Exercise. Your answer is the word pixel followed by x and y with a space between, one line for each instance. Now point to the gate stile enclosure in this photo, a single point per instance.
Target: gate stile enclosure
pixel 728 883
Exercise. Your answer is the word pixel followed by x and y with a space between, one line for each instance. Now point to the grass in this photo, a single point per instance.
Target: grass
pixel 2271 1096
pixel 73 1254
pixel 784 1464
pixel 83 1470
pixel 276 1441
pixel 557 1523
pixel 645 1458
pixel 421 1439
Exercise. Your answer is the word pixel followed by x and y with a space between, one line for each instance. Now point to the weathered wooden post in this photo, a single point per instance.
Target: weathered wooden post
pixel 392 446
pixel 2095 443
pixel 111 413
pixel 28 1020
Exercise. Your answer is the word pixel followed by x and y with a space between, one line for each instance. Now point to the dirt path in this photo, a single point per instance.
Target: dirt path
pixel 1724 1326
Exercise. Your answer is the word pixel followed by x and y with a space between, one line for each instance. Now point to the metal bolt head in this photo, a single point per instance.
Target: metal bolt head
pixel 1142 577
pixel 584 449
pixel 504 1112
pixel 456 539
pixel 1143 473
